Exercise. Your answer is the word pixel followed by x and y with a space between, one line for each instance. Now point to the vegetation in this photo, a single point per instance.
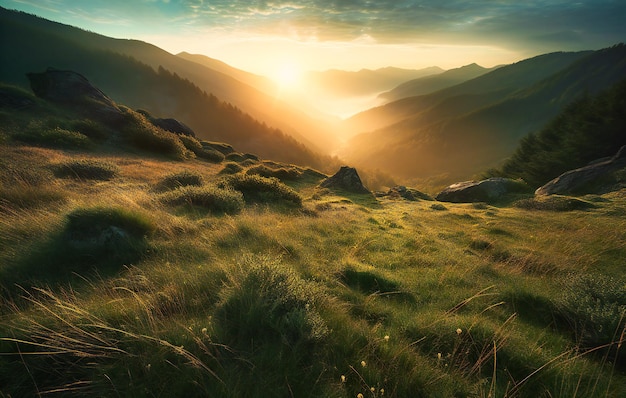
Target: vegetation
pixel 590 128
pixel 180 179
pixel 263 190
pixel 213 198
pixel 86 169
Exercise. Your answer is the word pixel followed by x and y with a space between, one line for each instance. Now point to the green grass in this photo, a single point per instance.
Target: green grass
pixel 86 169
pixel 117 288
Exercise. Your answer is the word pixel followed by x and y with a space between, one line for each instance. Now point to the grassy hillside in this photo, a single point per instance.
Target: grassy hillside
pixel 127 270
pixel 590 128
pixel 458 133
pixel 37 43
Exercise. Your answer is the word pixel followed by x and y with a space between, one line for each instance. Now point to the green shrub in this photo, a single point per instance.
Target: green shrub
pixel 144 135
pixel 181 179
pixel 84 221
pixel 86 169
pixel 594 307
pixel 37 133
pixel 282 173
pixel 231 168
pixel 267 301
pixel 263 190
pixel 212 198
pixel 90 128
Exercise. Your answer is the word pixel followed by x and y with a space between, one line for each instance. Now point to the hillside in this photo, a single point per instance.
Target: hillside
pixel 131 267
pixel 430 84
pixel 37 43
pixel 590 128
pixel 468 128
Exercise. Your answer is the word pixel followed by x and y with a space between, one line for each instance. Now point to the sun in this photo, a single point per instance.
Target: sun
pixel 287 75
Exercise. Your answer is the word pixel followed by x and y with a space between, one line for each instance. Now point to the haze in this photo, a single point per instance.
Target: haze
pixel 283 39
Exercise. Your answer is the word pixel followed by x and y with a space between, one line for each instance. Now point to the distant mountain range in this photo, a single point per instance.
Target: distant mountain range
pixel 466 128
pixel 430 84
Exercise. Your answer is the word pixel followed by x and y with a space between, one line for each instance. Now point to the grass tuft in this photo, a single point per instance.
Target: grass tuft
pixel 257 189
pixel 86 169
pixel 180 179
pixel 212 198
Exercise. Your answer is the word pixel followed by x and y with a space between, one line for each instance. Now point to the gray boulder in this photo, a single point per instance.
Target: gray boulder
pixel 346 179
pixel 489 190
pixel 64 86
pixel 582 180
pixel 406 193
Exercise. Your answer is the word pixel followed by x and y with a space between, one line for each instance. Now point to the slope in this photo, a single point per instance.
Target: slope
pixel 28 51
pixel 430 84
pixel 464 134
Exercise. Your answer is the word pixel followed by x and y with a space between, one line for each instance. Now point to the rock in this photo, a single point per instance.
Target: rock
pixel 489 190
pixel 66 86
pixel 347 179
pixel 581 180
pixel 403 192
pixel 168 124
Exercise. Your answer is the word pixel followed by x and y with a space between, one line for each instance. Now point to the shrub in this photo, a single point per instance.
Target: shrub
pixel 212 198
pixel 221 147
pixel 264 190
pixel 90 128
pixel 231 168
pixel 200 151
pixel 84 221
pixel 144 135
pixel 181 179
pixel 38 133
pixel 594 307
pixel 282 173
pixel 266 301
pixel 86 169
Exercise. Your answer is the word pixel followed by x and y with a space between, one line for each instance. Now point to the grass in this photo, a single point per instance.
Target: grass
pixel 86 169
pixel 116 288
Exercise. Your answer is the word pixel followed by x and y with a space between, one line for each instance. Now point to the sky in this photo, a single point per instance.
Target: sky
pixel 263 36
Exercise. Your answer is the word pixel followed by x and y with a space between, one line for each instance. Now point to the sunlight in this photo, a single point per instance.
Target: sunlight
pixel 287 75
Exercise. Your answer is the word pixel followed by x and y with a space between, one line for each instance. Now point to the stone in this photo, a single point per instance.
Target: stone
pixel 581 180
pixel 65 86
pixel 173 126
pixel 403 192
pixel 489 190
pixel 346 179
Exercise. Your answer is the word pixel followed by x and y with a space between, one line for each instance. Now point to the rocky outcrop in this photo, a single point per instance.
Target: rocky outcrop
pixel 403 192
pixel 346 179
pixel 489 190
pixel 168 124
pixel 585 179
pixel 72 88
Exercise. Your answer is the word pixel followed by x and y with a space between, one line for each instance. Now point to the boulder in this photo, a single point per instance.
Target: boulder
pixel 585 179
pixel 489 190
pixel 69 87
pixel 346 179
pixel 168 124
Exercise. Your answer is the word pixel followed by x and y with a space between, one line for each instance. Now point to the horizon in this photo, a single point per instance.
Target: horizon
pixel 283 40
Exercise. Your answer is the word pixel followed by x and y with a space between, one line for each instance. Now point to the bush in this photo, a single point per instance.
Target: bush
pixel 231 168
pixel 212 198
pixel 86 169
pixel 181 179
pixel 38 133
pixel 144 135
pixel 83 221
pixel 594 307
pixel 266 301
pixel 282 173
pixel 263 190
pixel 91 129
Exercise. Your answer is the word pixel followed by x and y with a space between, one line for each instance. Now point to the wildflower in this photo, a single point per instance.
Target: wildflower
pixel 359 395
pixel 386 337
pixel 343 378
pixel 204 330
pixel 382 391
pixel 439 356
pixel 363 363
pixel 459 331
pixel 372 389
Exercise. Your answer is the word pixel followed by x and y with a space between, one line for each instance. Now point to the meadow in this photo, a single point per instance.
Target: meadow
pixel 128 273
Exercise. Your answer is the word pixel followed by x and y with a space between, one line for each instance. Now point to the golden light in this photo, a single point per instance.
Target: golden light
pixel 287 75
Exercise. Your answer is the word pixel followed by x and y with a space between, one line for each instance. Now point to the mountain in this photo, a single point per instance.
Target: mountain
pixel 430 84
pixel 363 82
pixel 36 44
pixel 470 127
pixel 29 50
pixel 258 82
